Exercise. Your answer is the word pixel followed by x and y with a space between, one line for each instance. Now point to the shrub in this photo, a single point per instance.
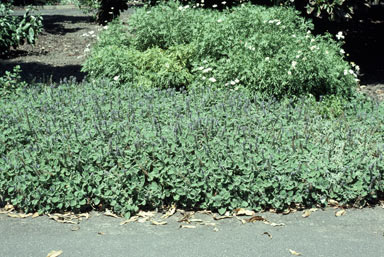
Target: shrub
pixel 106 10
pixel 14 31
pixel 152 68
pixel 269 50
pixel 94 145
pixel 11 82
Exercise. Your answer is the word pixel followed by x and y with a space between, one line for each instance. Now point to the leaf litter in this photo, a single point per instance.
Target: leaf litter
pixel 55 253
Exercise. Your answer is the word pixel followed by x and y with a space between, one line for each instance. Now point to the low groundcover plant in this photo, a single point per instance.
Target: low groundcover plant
pixel 94 145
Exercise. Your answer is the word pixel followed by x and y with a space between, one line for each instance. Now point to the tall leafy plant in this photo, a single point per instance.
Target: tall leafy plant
pixel 15 31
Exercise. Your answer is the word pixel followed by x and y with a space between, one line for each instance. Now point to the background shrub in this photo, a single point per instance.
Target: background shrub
pixel 94 145
pixel 15 31
pixel 268 50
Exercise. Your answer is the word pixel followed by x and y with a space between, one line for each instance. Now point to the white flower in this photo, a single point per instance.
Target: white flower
pixel 197 4
pixel 278 23
pixel 219 20
pixel 237 81
pixel 203 78
pixel 223 2
pixel 205 61
pixel 293 35
pixel 294 63
pixel 340 35
pixel 289 72
pixel 212 79
pixel 116 78
pixel 357 68
pixel 201 68
pixel 308 32
pixel 326 52
pixel 150 11
pixel 233 83
pixel 298 56
pixel 207 70
pixel 342 51
pixel 345 72
pixel 313 40
pixel 180 8
pixel 214 6
pixel 267 59
pixel 313 48
pixel 187 6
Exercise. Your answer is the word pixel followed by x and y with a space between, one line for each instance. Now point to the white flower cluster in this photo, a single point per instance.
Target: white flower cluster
pixel 314 47
pixel 252 48
pixel 232 82
pixel 277 22
pixel 206 70
pixel 181 8
pixel 340 35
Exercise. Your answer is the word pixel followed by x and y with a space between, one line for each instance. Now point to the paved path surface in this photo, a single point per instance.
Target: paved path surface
pixel 357 233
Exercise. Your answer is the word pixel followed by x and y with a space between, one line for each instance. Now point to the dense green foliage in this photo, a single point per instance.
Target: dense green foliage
pixel 269 50
pixel 80 145
pixel 11 82
pixel 15 31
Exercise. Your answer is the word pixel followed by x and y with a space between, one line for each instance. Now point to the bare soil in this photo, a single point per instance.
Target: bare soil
pixel 61 49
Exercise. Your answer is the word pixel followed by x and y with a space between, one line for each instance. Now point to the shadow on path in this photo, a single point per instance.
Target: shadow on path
pixel 39 72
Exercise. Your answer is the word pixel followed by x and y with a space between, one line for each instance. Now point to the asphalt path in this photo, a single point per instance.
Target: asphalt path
pixel 359 232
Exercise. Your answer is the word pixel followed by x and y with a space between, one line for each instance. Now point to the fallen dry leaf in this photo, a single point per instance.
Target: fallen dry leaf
pixel 243 221
pixel 195 220
pixel 269 235
pixel 100 233
pixel 209 224
pixel 221 217
pixel 313 209
pixel 146 214
pixel 142 220
pixel 306 214
pixel 294 252
pixel 132 219
pixel 54 253
pixel 340 213
pixel 62 218
pixel 332 202
pixel 286 212
pixel 215 229
pixel 205 212
pixel 9 207
pixel 110 213
pixel 274 224
pixel 241 211
pixel 84 215
pixel 170 212
pixel 35 215
pixel 157 223
pixel 19 215
pixel 186 217
pixel 256 218
pixel 187 226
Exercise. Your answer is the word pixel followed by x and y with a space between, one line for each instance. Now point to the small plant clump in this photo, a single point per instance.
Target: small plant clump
pixel 266 50
pixel 94 145
pixel 15 31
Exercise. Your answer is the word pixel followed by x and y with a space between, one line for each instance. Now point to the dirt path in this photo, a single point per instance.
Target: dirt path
pixel 60 49
pixel 68 33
